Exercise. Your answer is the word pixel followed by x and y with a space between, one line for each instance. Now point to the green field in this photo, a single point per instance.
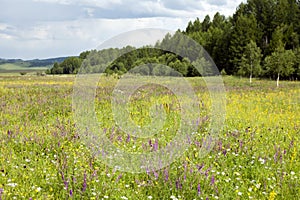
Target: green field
pixel 20 67
pixel 43 157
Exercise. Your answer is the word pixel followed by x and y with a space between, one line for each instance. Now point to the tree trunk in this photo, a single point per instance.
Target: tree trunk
pixel 278 80
pixel 251 71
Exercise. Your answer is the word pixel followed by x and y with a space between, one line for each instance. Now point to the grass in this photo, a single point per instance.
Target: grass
pixel 44 157
pixel 20 67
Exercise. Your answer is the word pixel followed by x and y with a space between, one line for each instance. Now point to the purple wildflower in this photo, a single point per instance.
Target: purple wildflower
pixel 200 167
pixel 166 175
pixel 150 143
pixel 84 185
pixel 66 183
pixel 224 152
pixel 155 146
pixel 220 145
pixel 241 144
pixel 119 177
pixel 128 138
pixel 199 189
pixel 291 143
pixel 178 184
pixel 155 174
pixel 120 138
pixel 206 172
pixel 1 192
pixel 188 138
pixel 71 193
pixel 212 180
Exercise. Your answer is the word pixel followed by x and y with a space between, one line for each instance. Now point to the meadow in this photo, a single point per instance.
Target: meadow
pixel 9 68
pixel 42 155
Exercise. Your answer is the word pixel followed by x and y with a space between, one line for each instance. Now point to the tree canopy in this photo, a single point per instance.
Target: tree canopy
pixel 245 44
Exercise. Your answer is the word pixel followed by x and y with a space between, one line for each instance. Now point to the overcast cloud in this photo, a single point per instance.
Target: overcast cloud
pixel 51 28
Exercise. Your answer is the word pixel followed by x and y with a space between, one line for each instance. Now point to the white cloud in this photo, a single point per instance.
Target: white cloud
pixel 46 28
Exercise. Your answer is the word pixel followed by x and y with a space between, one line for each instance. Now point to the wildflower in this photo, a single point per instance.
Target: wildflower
pixel 149 197
pixel 292 173
pixel 125 198
pixel 199 189
pixel 240 194
pixel 84 183
pixel 38 189
pixel 262 161
pixel 213 180
pixel 178 184
pixel 155 146
pixel 106 197
pixel 173 197
pixel 272 195
pixel 12 184
pixel 166 175
pixel 119 177
pixel 128 138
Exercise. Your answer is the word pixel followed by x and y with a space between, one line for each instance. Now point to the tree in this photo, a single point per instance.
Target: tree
pixel 277 39
pixel 250 64
pixel 297 63
pixel 206 23
pixel 280 63
pixel 245 30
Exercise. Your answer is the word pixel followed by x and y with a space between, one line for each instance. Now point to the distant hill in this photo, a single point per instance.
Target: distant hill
pixel 15 65
pixel 33 63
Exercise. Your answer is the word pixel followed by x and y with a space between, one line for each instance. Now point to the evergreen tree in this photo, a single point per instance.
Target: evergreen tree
pixel 244 31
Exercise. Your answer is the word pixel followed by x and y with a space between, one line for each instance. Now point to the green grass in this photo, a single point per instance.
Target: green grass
pixel 20 67
pixel 44 157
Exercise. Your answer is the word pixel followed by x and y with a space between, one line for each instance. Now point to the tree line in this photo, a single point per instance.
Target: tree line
pixel 261 39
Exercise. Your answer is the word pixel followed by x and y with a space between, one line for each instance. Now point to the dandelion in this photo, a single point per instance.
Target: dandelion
pixel 272 195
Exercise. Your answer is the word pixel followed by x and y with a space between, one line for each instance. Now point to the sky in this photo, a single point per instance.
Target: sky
pixel 38 29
